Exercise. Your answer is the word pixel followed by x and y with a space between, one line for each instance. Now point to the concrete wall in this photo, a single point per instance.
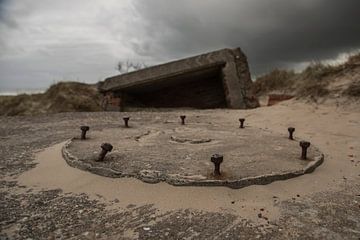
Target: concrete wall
pixel 235 76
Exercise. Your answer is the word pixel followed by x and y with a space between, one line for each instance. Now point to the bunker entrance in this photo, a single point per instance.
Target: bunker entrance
pixel 201 89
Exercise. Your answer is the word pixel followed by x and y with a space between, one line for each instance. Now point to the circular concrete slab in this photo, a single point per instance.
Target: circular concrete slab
pixel 180 154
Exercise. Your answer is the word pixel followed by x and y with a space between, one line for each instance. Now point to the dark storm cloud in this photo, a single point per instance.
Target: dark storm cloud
pixel 45 41
pixel 271 32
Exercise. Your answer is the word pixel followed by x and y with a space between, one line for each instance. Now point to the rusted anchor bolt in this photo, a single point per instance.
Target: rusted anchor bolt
pixel 241 120
pixel 84 129
pixel 126 121
pixel 217 159
pixel 182 117
pixel 304 145
pixel 291 131
pixel 105 148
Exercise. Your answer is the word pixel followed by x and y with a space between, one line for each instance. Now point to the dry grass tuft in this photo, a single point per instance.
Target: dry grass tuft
pixel 353 90
pixel 275 80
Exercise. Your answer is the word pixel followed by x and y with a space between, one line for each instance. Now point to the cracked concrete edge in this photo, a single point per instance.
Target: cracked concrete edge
pixel 149 176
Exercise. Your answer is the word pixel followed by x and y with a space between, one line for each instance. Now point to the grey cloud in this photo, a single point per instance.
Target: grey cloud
pixel 61 63
pixel 60 40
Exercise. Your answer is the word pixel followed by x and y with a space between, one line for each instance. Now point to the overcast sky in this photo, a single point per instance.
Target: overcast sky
pixel 45 41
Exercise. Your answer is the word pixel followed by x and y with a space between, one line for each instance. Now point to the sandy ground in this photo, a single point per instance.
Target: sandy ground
pixel 324 204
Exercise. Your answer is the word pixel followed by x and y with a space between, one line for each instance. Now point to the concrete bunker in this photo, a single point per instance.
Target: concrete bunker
pixel 219 79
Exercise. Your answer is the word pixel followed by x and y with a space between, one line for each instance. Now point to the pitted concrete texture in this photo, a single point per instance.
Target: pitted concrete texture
pixel 165 150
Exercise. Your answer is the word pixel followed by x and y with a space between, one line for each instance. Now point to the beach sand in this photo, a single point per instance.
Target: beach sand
pixel 334 131
pixel 52 199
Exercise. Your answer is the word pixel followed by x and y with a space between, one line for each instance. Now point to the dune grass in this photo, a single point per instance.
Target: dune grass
pixel 60 97
pixel 311 82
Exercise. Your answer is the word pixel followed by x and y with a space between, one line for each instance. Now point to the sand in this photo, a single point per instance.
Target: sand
pixel 335 131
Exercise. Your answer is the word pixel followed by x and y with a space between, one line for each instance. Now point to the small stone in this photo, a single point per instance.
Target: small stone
pixel 146 228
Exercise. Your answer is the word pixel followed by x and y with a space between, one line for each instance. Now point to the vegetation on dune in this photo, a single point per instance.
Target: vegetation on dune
pixel 276 79
pixel 353 60
pixel 72 97
pixel 316 81
pixel 353 90
pixel 60 97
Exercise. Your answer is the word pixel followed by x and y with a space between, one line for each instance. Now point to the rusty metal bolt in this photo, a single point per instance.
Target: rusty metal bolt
pixel 241 120
pixel 304 145
pixel 291 130
pixel 217 159
pixel 84 129
pixel 126 121
pixel 105 148
pixel 182 117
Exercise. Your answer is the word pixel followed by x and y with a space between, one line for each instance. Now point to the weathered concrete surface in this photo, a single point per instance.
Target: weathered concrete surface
pixel 321 205
pixel 161 149
pixel 228 68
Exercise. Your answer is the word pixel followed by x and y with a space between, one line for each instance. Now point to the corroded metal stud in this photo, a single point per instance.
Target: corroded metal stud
pixel 241 120
pixel 291 131
pixel 126 121
pixel 182 117
pixel 105 148
pixel 217 159
pixel 304 146
pixel 84 129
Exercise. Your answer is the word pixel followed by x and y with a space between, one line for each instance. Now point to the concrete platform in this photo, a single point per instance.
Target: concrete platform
pixel 165 150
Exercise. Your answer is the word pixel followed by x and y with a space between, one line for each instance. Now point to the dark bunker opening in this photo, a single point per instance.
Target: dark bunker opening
pixel 201 89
